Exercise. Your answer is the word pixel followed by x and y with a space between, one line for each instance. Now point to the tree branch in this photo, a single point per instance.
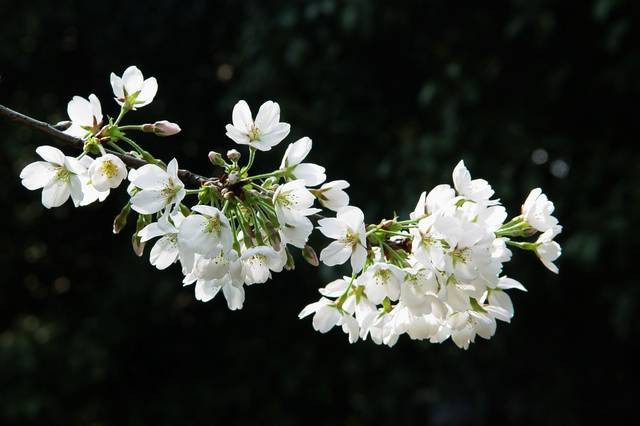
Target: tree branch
pixel 185 175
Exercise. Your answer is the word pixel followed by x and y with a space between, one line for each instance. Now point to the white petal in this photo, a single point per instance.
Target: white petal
pixel 276 134
pixel 96 108
pixel 531 200
pixel 461 177
pixel 148 92
pixel 36 175
pixel 164 253
pixel 325 318
pixel 80 111
pixel 268 116
pixel 335 253
pixel 241 116
pixel 507 283
pixel 207 290
pixel 237 135
pixel 192 235
pixel 313 307
pixel 312 174
pixel 117 86
pixel 150 177
pixel 358 258
pixel 148 202
pixel 55 193
pixel 234 296
pixel 132 80
pixel 334 288
pixel 150 231
pixel 75 189
pixel 351 216
pixel 502 300
pixel 51 154
pixel 298 151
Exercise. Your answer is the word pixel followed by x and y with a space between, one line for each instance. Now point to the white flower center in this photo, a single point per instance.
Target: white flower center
pixel 63 174
pixel 170 190
pixel 254 133
pixel 109 169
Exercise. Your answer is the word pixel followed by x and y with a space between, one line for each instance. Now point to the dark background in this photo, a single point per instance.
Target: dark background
pixel 529 93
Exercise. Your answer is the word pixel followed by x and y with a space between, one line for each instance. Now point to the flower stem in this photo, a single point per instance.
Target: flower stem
pixel 131 127
pixel 145 154
pixel 266 175
pixel 117 147
pixel 123 111
pixel 252 157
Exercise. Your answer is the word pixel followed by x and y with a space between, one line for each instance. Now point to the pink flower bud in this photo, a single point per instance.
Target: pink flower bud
pixel 165 128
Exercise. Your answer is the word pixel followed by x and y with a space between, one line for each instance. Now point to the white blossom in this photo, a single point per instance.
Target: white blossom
pixel 206 233
pixel 311 174
pixel 166 251
pixel 325 317
pixel 382 280
pixel 537 210
pixel 477 190
pixel 332 196
pixel 89 193
pixel 548 250
pixel 347 228
pixel 132 90
pixel 262 134
pixel 85 116
pixel 230 283
pixel 258 262
pixel 159 189
pixel 57 175
pixel 298 234
pixel 107 172
pixel 293 202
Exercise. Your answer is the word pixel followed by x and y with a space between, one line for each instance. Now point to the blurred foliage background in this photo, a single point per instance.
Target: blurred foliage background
pixel 529 92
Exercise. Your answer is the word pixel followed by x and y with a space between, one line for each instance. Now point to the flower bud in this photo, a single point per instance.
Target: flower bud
pixel 138 245
pixel 233 155
pixel 121 220
pixel 165 128
pixel 309 254
pixel 291 264
pixel 233 178
pixel 136 242
pixel 216 159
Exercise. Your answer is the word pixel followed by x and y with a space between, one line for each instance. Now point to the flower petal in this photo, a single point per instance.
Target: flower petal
pixel 132 80
pixel 335 253
pixel 55 193
pixel 37 175
pixel 51 154
pixel 241 116
pixel 148 201
pixel 148 92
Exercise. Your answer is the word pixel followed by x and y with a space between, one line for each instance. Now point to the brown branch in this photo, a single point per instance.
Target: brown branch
pixel 185 175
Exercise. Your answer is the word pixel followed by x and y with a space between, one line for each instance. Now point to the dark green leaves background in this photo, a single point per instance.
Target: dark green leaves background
pixel 393 94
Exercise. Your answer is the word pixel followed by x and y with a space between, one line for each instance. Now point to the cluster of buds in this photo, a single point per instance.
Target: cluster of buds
pixel 436 275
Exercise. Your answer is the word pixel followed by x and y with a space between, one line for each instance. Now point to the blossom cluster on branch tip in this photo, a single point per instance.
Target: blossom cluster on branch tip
pixel 435 275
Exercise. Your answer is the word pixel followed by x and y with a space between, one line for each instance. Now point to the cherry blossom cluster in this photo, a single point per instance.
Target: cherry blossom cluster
pixel 435 275
pixel 238 229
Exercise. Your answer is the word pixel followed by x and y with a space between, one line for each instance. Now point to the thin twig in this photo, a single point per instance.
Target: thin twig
pixel 185 175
